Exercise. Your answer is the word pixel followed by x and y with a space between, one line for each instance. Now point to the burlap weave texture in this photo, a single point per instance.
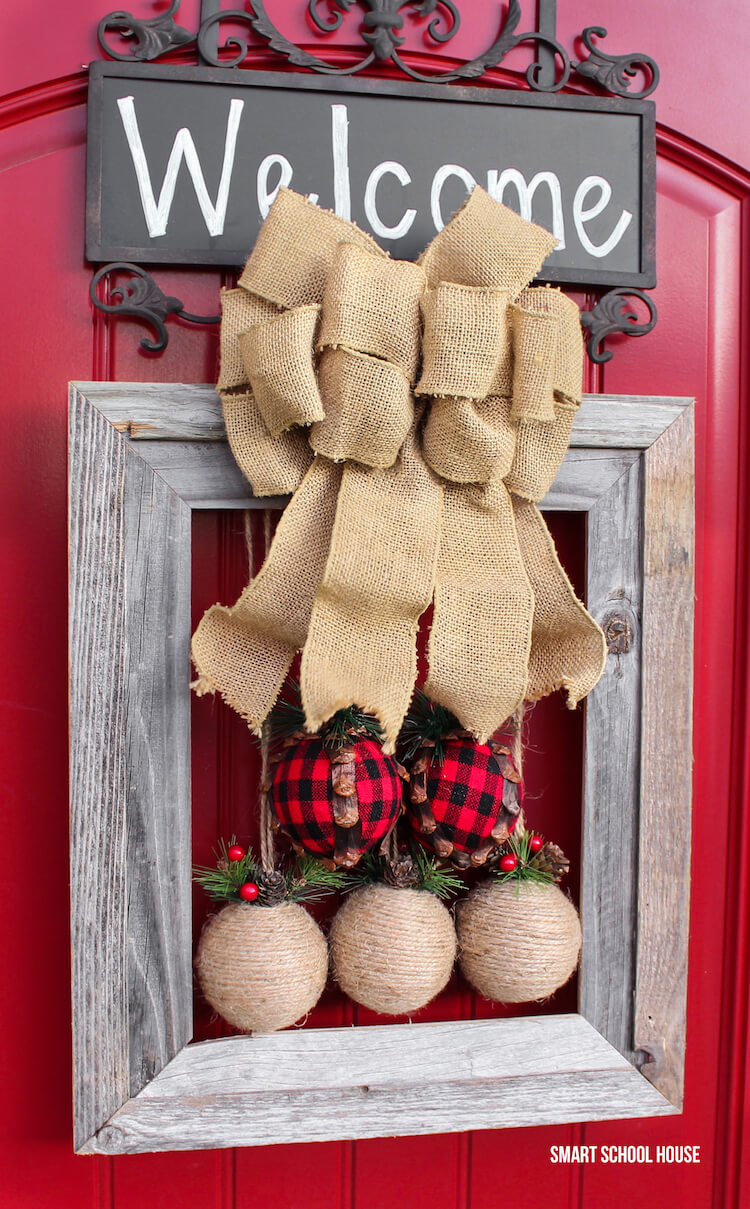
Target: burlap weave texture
pixel 371 305
pixel 274 465
pixel 369 409
pixel 424 508
pixel 465 338
pixel 278 358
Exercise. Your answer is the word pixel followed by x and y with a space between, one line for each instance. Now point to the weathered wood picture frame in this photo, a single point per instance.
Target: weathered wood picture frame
pixel 141 458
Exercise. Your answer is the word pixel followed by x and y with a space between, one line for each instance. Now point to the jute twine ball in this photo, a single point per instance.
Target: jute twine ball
pixel 517 941
pixel 392 950
pixel 262 968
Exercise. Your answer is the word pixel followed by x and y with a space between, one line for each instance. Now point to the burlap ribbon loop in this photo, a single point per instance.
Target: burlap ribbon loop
pixel 369 409
pixel 371 305
pixel 405 503
pixel 465 338
pixel 278 360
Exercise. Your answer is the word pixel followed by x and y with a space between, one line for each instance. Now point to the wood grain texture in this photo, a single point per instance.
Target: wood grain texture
pixel 424 1108
pixel 585 477
pixel 204 474
pixel 175 411
pixel 666 757
pixel 292 1087
pixel 98 777
pixel 130 768
pixel 623 421
pixel 391 1056
pixel 159 411
pixel 157 753
pixel 609 858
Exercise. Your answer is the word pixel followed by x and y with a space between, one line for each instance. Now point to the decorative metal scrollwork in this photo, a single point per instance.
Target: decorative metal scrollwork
pixel 612 314
pixel 151 38
pixel 380 31
pixel 142 297
pixel 615 72
pixel 380 28
pixel 260 22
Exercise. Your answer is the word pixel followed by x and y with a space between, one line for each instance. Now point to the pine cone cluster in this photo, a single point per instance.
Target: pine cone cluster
pixel 551 859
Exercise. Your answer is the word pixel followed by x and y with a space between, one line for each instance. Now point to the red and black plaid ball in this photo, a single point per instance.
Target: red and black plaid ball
pixel 301 795
pixel 465 794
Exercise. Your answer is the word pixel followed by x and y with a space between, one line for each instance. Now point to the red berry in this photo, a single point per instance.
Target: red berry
pixel 249 892
pixel 236 853
pixel 508 863
pixel 536 843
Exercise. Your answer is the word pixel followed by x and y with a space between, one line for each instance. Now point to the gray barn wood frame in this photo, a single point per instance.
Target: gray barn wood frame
pixel 142 456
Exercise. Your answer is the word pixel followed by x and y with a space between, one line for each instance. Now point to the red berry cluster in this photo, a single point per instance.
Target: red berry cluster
pixel 249 891
pixel 509 862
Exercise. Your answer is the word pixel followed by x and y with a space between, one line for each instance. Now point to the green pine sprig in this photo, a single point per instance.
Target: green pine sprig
pixel 287 717
pixel 310 880
pixel 345 723
pixel 367 872
pixel 525 869
pixel 307 879
pixel 426 722
pixel 430 874
pixel 222 881
pixel 435 877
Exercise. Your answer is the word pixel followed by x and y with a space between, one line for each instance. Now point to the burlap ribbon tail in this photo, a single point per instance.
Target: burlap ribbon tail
pixel 418 413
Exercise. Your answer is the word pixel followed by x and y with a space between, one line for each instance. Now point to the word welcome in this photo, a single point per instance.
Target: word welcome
pixel 591 198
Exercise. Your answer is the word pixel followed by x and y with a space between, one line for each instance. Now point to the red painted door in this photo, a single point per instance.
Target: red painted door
pixel 51 335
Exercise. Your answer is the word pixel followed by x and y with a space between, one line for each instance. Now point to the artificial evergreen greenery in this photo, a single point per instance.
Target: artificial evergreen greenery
pixel 529 864
pixel 310 880
pixel 306 879
pixel 222 881
pixel 426 724
pixel 426 874
pixel 288 718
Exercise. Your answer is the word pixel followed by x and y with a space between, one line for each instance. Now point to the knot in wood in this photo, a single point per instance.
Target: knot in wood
pixel 618 631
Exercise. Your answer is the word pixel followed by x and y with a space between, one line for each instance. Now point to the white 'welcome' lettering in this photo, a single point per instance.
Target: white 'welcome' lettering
pixel 157 213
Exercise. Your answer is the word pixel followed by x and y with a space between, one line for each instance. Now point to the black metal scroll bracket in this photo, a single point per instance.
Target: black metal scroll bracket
pixel 143 298
pixel 611 315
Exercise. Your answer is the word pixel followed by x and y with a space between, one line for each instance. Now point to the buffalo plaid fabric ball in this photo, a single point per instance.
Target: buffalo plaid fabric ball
pixel 465 793
pixel 301 794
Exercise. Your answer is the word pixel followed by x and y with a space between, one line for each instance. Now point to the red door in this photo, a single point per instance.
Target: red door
pixel 51 335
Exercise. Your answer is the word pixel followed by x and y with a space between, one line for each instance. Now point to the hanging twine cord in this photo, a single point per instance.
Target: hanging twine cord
pixel 267 841
pixel 516 750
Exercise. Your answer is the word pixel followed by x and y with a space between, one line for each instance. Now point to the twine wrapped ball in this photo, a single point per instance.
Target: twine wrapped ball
pixel 518 941
pixel 392 950
pixel 262 968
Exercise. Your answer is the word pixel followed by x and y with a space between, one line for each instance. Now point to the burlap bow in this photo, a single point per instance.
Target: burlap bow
pixel 417 412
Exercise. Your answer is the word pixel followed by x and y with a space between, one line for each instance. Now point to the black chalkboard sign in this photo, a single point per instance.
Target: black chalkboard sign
pixel 184 163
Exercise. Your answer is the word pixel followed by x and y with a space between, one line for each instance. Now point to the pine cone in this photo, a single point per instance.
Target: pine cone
pixel 551 859
pixel 401 872
pixel 272 888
